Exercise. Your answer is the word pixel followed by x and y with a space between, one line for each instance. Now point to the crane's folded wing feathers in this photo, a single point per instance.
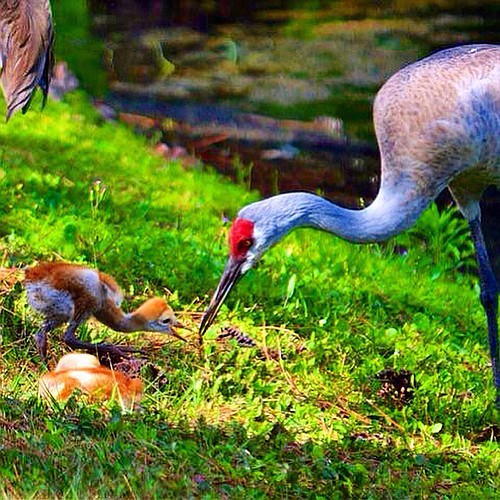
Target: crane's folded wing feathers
pixel 26 43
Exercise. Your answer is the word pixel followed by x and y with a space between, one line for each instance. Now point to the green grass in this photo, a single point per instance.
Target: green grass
pixel 75 45
pixel 229 422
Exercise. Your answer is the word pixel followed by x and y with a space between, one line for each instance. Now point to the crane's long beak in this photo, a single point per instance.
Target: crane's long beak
pixel 230 276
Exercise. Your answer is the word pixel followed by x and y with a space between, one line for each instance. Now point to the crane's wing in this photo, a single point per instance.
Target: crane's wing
pixel 26 41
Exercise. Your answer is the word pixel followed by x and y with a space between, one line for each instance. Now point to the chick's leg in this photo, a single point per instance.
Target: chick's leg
pixel 102 350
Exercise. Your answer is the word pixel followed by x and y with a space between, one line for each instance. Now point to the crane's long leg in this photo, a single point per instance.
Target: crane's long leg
pixel 101 349
pixel 489 298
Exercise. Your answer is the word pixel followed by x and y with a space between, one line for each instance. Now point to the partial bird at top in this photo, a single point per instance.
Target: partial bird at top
pixel 437 123
pixel 26 55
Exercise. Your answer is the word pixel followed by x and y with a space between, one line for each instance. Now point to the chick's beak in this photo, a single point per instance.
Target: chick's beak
pixel 230 276
pixel 178 324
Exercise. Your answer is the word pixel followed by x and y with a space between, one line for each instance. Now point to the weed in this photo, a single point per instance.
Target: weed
pixel 445 238
pixel 242 172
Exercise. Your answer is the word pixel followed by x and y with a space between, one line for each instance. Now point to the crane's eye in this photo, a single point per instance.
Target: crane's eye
pixel 245 244
pixel 165 321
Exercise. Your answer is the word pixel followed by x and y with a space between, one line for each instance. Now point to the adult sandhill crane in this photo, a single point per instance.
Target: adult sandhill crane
pixel 26 40
pixel 70 293
pixel 437 123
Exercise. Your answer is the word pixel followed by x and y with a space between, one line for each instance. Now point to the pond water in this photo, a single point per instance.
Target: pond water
pixel 277 94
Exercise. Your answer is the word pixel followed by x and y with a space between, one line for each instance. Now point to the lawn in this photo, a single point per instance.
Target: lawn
pixel 301 414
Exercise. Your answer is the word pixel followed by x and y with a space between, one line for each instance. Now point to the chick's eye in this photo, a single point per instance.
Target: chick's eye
pixel 165 321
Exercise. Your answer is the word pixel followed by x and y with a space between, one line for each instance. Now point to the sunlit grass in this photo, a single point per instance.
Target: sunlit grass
pixel 230 420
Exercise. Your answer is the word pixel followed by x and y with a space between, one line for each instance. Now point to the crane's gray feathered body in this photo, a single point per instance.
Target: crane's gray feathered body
pixel 26 41
pixel 437 123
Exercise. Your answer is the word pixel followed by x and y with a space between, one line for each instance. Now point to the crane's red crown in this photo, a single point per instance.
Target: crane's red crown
pixel 240 237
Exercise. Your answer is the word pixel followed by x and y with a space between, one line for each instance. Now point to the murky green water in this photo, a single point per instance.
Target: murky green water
pixel 295 60
pixel 325 59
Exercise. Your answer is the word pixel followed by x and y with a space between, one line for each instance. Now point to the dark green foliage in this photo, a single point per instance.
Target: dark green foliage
pixel 74 44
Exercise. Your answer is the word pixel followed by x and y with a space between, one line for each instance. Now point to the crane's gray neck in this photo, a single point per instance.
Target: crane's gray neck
pixel 385 217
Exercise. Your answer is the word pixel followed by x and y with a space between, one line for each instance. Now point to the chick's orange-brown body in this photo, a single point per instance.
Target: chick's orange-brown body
pixel 79 371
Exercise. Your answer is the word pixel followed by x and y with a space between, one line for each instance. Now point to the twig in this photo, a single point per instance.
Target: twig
pixel 383 414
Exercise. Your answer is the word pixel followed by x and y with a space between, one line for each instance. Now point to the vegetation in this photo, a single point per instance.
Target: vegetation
pixel 74 44
pixel 301 414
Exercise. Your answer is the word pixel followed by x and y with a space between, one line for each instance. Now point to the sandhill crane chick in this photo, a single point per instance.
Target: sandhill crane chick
pixel 84 372
pixel 71 293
